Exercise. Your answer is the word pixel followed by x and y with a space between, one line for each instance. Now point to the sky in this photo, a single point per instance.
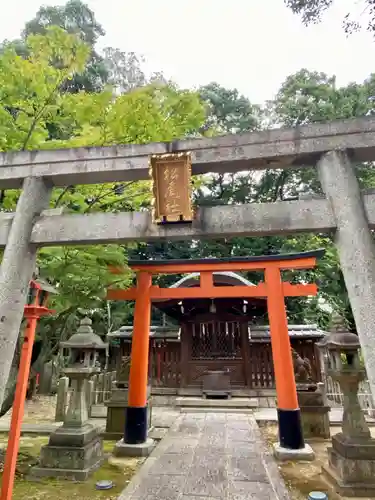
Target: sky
pixel 251 45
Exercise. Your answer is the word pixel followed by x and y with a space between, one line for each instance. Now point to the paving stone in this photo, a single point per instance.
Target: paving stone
pixel 187 428
pixel 172 464
pixel 250 490
pixel 157 433
pixel 240 435
pixel 250 468
pixel 194 417
pixel 213 440
pixel 206 450
pixel 162 417
pixel 207 482
pixel 241 424
pixel 209 458
pixel 190 497
pixel 170 486
pixel 178 445
pixel 242 449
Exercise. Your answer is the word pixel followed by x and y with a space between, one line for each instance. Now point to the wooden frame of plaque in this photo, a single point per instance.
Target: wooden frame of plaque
pixel 171 188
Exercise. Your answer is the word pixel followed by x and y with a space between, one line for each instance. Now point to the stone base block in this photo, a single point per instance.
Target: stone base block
pixel 286 454
pixel 357 490
pixel 72 462
pixel 115 422
pixel 72 474
pixel 315 422
pixel 308 398
pixel 133 450
pixel 68 436
pixel 354 448
pixel 314 414
pixel 351 470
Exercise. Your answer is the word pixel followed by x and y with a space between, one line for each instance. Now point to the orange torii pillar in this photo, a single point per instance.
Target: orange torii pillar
pixel 288 411
pixel 136 411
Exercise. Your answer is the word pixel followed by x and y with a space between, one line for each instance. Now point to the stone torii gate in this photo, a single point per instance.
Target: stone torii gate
pixel 331 147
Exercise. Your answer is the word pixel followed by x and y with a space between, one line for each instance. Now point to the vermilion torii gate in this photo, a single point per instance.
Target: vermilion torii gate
pixel 272 288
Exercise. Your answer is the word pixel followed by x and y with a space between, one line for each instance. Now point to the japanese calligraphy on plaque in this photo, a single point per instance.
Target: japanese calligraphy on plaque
pixel 171 179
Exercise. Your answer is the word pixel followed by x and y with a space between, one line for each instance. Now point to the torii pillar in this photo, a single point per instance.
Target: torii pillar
pixel 135 441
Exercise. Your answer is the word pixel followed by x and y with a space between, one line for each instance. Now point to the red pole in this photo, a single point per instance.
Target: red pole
pixel 18 409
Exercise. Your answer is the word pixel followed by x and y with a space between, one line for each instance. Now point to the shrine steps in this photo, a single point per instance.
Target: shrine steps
pixel 196 403
pixel 242 411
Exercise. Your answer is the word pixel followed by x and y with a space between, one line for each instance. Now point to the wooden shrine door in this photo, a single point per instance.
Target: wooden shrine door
pixel 211 342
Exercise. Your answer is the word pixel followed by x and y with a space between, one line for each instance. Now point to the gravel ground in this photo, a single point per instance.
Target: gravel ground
pixel 40 410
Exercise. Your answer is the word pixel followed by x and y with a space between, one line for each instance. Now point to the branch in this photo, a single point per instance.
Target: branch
pixel 100 197
pixel 278 191
pixel 39 114
pixel 62 194
pixel 124 198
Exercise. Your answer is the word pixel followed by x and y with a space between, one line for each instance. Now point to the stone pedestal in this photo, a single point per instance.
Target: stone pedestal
pixel 115 424
pixel 123 449
pixel 285 454
pixel 75 449
pixel 314 413
pixel 71 454
pixel 351 466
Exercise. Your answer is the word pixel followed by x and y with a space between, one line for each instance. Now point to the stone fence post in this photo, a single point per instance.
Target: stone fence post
pixel 62 399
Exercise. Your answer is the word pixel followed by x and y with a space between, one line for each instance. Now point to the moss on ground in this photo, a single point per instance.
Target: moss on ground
pixel 120 472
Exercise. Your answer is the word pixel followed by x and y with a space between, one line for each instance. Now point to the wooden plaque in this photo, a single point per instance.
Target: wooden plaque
pixel 171 185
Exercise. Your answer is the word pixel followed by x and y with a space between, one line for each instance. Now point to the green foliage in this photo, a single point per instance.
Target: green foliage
pixel 76 18
pixel 312 11
pixel 37 112
pixel 30 88
pixel 229 112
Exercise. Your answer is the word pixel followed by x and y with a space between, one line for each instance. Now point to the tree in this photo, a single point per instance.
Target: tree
pixel 125 71
pixel 312 11
pixel 76 18
pixel 33 100
pixel 228 112
pixel 30 87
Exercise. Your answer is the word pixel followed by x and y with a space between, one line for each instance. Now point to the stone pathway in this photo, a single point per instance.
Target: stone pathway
pixel 208 456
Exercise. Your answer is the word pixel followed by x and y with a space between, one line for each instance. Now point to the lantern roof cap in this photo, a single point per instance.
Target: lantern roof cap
pixel 340 341
pixel 85 338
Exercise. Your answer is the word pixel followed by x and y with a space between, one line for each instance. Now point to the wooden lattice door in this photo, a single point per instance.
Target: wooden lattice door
pixel 213 343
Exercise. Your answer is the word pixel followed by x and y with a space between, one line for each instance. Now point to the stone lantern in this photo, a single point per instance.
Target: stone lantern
pixel 84 348
pixel 75 449
pixel 352 456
